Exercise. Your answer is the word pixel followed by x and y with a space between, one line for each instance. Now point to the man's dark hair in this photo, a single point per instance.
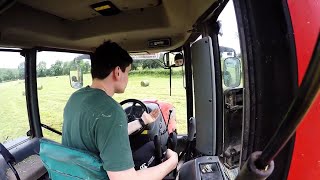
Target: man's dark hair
pixel 106 57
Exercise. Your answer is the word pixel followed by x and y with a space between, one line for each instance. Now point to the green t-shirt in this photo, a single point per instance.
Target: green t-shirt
pixel 93 121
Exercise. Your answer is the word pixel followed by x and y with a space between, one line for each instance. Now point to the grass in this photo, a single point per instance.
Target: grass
pixel 56 91
pixel 176 72
pixel 13 111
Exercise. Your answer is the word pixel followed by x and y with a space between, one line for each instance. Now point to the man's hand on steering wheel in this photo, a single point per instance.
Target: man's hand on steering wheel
pixel 150 118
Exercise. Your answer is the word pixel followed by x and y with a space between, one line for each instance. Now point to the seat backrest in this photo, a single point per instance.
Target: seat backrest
pixel 63 162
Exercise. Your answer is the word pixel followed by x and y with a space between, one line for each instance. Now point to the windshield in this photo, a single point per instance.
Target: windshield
pixel 148 80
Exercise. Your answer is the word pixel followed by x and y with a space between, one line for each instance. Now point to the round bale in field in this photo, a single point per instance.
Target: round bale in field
pixel 39 87
pixel 144 83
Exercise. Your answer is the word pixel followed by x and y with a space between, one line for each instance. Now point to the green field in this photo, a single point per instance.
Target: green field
pixel 56 91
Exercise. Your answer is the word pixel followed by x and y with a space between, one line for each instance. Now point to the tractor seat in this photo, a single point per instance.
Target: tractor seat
pixel 63 162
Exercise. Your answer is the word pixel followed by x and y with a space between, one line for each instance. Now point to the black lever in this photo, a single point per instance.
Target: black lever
pixel 191 134
pixel 158 150
pixel 51 129
pixel 191 129
pixel 10 160
pixel 169 118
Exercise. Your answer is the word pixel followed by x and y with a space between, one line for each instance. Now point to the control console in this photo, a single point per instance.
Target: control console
pixel 202 168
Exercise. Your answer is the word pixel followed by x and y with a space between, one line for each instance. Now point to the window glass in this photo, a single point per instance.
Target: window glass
pixel 230 48
pixel 54 87
pixel 13 109
pixel 232 80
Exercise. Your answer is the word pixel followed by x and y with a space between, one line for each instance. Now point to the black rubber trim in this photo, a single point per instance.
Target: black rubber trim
pixel 294 69
pixel 270 74
pixel 249 98
pixel 189 82
pixel 10 50
pixel 61 50
pixel 6 4
pixel 308 91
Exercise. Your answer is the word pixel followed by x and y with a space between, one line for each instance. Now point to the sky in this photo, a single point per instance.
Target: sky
pixel 13 59
pixel 229 39
pixel 229 28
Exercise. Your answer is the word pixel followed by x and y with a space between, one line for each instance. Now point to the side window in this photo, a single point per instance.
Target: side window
pixel 54 88
pixel 232 84
pixel 230 52
pixel 13 109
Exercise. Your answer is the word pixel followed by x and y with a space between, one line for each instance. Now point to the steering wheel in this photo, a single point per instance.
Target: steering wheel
pixel 132 115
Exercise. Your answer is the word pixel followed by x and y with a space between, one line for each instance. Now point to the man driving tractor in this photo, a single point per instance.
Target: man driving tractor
pixel 95 122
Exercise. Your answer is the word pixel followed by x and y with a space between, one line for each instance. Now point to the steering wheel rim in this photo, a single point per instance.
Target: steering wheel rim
pixel 131 116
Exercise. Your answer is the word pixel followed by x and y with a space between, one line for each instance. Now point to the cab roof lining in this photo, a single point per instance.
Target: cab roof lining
pixel 30 23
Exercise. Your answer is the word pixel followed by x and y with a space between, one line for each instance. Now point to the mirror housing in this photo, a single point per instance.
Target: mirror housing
pixel 232 72
pixel 76 76
pixel 173 60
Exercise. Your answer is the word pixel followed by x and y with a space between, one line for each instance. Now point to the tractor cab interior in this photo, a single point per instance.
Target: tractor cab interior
pixel 145 27
pixel 214 121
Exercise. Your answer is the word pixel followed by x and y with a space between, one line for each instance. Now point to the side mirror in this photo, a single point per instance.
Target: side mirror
pixel 173 60
pixel 75 76
pixel 232 72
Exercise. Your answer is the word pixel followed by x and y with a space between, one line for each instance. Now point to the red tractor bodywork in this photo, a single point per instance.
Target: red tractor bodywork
pixel 165 112
pixel 305 17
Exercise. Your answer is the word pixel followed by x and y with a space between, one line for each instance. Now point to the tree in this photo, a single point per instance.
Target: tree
pixel 66 68
pixel 42 69
pixel 9 75
pixel 86 67
pixel 49 72
pixel 56 68
pixel 21 70
pixel 151 64
pixel 135 64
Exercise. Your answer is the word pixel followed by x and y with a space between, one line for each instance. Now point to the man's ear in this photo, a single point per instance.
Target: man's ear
pixel 116 72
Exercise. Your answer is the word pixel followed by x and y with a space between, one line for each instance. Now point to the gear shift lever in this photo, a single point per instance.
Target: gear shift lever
pixel 158 151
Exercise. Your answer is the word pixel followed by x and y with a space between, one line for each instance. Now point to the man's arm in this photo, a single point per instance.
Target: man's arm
pixel 147 119
pixel 133 126
pixel 155 173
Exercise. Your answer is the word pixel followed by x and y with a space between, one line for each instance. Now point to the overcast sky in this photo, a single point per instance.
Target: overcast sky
pixel 13 59
pixel 229 39
pixel 229 28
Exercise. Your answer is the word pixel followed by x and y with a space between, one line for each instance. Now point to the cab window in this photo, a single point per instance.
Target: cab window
pixel 14 123
pixel 232 84
pixel 54 90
